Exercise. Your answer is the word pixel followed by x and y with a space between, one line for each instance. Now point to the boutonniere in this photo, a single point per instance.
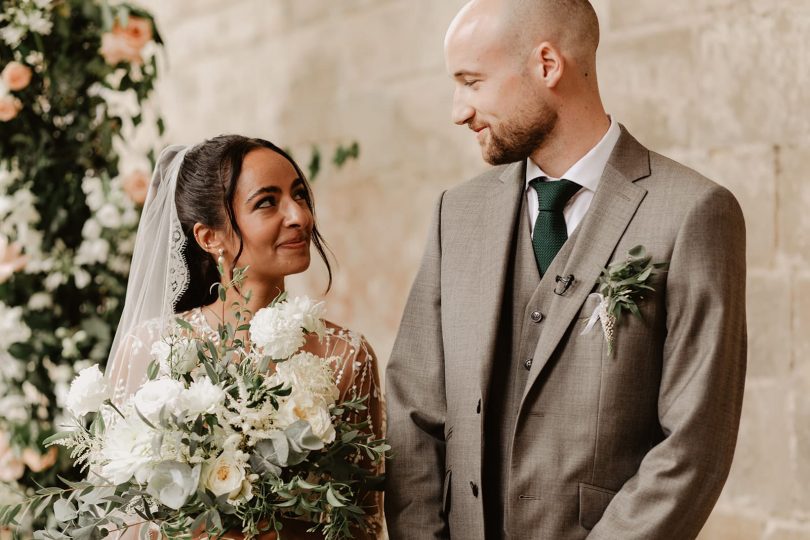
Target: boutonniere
pixel 621 286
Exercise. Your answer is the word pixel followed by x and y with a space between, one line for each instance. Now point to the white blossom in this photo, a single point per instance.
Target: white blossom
pixel 88 391
pixel 40 301
pixel 127 449
pixel 201 397
pixel 224 474
pixel 172 483
pixel 12 327
pixel 156 394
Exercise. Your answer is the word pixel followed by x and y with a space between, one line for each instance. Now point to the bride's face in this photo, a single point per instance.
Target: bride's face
pixel 270 207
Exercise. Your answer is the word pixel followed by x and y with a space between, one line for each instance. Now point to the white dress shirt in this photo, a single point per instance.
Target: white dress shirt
pixel 586 172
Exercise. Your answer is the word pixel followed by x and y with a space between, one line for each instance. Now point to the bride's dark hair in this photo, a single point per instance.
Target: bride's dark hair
pixel 206 184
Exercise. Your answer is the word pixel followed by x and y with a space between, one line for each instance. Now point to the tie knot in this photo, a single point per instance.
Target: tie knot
pixel 553 196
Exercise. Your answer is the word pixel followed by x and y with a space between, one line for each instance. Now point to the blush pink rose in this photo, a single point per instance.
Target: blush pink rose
pixel 11 467
pixel 115 49
pixel 136 185
pixel 124 43
pixel 39 462
pixel 9 108
pixel 137 32
pixel 11 259
pixel 16 76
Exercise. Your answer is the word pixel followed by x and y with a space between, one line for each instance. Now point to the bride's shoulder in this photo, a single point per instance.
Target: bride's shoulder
pixel 342 341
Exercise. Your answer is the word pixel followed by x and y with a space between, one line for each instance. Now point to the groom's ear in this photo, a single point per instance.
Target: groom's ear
pixel 549 63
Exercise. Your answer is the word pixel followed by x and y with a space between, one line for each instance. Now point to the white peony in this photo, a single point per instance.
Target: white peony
pixel 224 475
pixel 127 450
pixel 201 397
pixel 88 391
pixel 276 334
pixel 154 395
pixel 308 313
pixel 172 483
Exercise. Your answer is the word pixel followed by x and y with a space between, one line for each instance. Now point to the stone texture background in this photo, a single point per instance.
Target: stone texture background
pixel 721 85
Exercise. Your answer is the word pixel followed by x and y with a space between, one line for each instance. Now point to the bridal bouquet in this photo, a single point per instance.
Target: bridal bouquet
pixel 228 433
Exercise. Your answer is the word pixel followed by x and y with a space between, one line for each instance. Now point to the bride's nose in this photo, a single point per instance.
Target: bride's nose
pixel 295 214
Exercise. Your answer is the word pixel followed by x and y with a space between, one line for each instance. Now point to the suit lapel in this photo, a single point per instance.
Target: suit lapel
pixel 611 211
pixel 498 222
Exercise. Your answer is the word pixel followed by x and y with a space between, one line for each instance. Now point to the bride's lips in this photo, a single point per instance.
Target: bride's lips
pixel 299 242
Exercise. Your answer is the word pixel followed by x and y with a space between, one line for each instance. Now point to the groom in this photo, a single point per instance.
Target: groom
pixel 506 420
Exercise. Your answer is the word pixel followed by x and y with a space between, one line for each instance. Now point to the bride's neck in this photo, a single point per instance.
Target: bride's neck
pixel 261 294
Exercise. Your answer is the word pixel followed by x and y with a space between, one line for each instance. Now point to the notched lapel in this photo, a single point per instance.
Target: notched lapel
pixel 614 204
pixel 498 222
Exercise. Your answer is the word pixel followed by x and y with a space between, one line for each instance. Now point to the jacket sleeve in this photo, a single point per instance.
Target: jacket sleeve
pixel 415 395
pixel 703 375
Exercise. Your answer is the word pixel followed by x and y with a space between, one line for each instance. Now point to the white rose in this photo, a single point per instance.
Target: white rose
pixel 172 483
pixel 275 334
pixel 304 406
pixel 88 391
pixel 201 397
pixel 224 475
pixel 127 450
pixel 154 395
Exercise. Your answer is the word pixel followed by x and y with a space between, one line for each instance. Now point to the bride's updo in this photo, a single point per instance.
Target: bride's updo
pixel 206 184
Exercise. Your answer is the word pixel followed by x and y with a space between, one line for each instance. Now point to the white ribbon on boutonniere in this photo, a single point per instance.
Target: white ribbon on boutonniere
pixel 621 285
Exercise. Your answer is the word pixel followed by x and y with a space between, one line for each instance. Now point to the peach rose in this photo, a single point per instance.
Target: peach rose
pixel 11 467
pixel 115 49
pixel 137 32
pixel 136 185
pixel 11 259
pixel 16 76
pixel 9 108
pixel 39 462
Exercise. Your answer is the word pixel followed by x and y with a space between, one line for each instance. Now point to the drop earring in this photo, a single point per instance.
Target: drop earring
pixel 221 258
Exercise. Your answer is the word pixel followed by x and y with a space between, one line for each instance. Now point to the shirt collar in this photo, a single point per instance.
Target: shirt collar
pixel 588 170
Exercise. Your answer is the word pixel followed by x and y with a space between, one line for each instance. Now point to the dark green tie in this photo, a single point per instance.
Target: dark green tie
pixel 550 232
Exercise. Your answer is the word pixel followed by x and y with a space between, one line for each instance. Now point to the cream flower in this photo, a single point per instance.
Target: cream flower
pixel 127 450
pixel 224 475
pixel 308 313
pixel 88 391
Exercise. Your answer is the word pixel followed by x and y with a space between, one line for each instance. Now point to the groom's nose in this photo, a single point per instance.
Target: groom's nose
pixel 462 112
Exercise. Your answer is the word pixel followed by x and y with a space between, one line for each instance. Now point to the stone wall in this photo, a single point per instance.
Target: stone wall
pixel 721 85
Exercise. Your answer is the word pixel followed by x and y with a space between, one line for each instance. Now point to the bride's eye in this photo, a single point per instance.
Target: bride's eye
pixel 267 202
pixel 300 195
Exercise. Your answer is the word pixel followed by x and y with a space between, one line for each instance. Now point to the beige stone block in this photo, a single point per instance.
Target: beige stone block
pixel 648 84
pixel 801 331
pixel 789 532
pixel 724 525
pixel 801 427
pixel 753 77
pixel 763 464
pixel 794 200
pixel 627 13
pixel 769 326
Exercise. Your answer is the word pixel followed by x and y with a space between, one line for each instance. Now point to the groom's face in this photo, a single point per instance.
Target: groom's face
pixel 495 93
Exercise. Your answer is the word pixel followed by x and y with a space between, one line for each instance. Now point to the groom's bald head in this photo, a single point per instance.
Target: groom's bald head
pixel 521 25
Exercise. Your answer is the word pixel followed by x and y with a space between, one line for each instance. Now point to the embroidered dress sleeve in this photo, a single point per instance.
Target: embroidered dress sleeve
pixel 357 375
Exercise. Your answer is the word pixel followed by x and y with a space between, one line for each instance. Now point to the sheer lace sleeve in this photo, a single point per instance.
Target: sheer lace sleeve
pixel 357 374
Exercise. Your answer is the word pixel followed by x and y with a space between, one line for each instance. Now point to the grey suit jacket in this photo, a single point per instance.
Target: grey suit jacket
pixel 636 445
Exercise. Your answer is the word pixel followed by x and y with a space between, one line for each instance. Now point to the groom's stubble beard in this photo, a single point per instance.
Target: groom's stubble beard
pixel 516 141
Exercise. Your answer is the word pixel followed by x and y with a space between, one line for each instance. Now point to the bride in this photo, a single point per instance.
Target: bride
pixel 236 202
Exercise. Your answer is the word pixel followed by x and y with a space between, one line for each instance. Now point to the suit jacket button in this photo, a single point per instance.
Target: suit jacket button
pixel 474 488
pixel 528 364
pixel 537 316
